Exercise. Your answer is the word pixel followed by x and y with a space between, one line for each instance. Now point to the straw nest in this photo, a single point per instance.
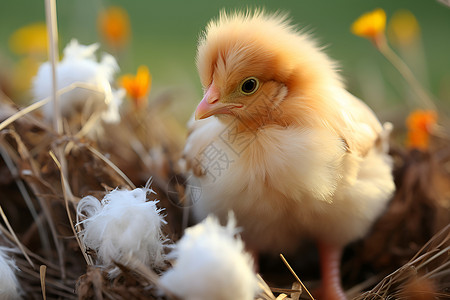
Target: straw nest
pixel 44 175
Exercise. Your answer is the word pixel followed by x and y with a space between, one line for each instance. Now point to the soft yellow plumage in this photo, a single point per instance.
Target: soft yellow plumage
pixel 280 141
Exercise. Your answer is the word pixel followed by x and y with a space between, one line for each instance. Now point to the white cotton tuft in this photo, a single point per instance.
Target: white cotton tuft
pixel 79 64
pixel 111 115
pixel 124 227
pixel 211 264
pixel 9 285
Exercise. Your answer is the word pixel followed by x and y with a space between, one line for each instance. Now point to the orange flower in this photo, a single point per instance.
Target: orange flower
pixel 138 86
pixel 419 124
pixel 30 39
pixel 114 26
pixel 370 25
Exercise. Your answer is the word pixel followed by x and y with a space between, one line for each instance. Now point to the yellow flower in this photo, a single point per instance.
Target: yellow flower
pixel 370 25
pixel 403 28
pixel 30 39
pixel 138 86
pixel 419 124
pixel 114 26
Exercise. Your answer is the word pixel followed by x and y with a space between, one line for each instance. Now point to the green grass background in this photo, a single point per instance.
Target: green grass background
pixel 164 36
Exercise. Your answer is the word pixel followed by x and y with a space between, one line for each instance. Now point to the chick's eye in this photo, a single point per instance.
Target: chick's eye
pixel 249 86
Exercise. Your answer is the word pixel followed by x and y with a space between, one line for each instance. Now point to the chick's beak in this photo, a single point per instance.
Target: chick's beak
pixel 210 104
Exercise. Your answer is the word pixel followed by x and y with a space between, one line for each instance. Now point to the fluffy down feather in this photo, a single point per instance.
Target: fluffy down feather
pixel 9 285
pixel 123 227
pixel 79 64
pixel 211 264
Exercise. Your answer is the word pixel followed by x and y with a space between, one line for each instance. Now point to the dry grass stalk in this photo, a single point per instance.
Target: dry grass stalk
pixel 68 197
pixel 112 165
pixel 42 271
pixel 52 30
pixel 26 144
pixel 266 292
pixel 24 154
pixel 296 277
pixel 16 239
pixel 295 292
pixel 37 105
pixel 419 209
pixel 139 283
pixel 431 264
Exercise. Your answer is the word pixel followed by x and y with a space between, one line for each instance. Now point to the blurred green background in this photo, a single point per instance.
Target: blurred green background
pixel 164 36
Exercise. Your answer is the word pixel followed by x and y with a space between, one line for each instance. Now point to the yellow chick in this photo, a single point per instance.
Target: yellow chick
pixel 278 140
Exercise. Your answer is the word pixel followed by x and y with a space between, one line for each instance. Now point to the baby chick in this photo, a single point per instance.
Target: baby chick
pixel 278 140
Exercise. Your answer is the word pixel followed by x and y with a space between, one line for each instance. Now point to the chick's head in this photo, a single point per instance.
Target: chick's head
pixel 255 66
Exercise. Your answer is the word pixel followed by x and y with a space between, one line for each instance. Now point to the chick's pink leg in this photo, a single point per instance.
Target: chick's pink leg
pixel 330 261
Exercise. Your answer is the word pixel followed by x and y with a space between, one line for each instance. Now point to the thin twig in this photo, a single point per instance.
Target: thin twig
pixel 407 74
pixel 91 122
pixel 52 31
pixel 25 155
pixel 68 193
pixel 356 289
pixel 53 282
pixel 423 259
pixel 445 230
pixel 445 266
pixel 295 275
pixel 19 244
pixel 288 291
pixel 26 197
pixel 5 232
pixel 42 272
pixel 40 103
pixel 111 164
pixel 429 260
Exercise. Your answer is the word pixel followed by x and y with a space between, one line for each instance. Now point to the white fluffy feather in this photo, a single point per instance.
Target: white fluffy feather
pixel 9 285
pixel 79 64
pixel 123 227
pixel 211 264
